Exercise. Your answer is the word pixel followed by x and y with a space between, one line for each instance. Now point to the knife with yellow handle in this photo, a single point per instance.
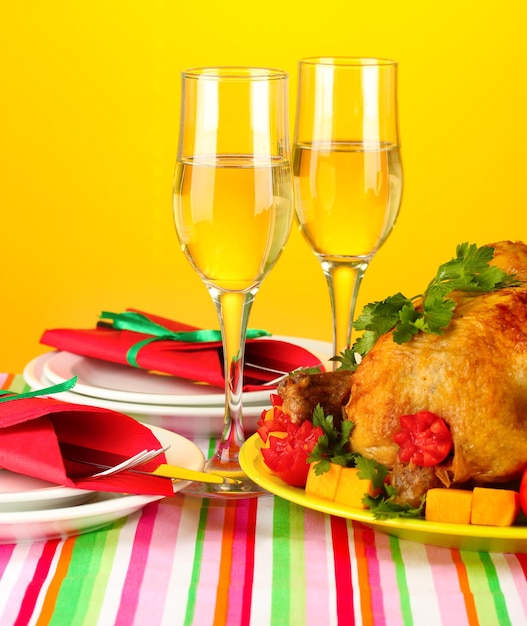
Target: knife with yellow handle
pixel 181 473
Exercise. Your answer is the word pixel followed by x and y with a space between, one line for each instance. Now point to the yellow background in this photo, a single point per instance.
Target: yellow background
pixel 89 108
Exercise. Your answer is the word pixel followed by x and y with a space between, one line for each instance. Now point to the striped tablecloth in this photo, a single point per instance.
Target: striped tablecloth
pixel 261 561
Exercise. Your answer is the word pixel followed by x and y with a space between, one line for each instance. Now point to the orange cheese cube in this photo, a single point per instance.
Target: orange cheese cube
pixel 323 485
pixel 494 507
pixel 452 506
pixel 352 489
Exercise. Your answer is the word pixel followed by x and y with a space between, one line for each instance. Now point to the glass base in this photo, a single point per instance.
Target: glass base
pixel 235 483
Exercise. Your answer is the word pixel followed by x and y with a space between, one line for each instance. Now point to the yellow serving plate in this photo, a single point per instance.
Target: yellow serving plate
pixel 461 536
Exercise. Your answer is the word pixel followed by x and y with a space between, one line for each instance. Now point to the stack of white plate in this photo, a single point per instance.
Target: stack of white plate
pixel 33 510
pixel 191 409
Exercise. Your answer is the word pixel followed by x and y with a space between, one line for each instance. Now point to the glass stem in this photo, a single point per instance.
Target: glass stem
pixel 233 310
pixel 344 279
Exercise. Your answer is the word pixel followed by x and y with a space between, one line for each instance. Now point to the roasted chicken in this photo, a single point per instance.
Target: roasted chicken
pixel 474 376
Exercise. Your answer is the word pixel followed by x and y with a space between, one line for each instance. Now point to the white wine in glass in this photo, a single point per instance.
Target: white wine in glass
pixel 347 171
pixel 233 210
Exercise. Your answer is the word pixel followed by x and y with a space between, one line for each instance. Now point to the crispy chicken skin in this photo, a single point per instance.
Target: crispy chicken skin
pixel 474 376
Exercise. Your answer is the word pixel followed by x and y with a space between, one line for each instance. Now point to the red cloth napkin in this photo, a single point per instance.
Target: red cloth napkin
pixel 38 436
pixel 201 362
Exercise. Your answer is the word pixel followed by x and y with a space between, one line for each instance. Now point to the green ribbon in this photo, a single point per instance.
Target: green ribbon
pixel 6 395
pixel 136 322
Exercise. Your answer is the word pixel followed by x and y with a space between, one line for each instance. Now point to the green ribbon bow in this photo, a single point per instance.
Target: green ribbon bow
pixel 136 322
pixel 6 395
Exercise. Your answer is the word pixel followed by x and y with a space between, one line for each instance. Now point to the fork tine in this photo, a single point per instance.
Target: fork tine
pixel 147 456
pixel 130 462
pixel 137 459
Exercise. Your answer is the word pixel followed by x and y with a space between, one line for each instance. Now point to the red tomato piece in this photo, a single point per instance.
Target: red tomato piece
pixel 280 422
pixel 424 439
pixel 523 493
pixel 288 457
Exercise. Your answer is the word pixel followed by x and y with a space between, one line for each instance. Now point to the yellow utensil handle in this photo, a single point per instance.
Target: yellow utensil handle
pixel 171 471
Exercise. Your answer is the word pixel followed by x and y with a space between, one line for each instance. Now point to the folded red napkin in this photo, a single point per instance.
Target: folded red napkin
pixel 39 436
pixel 197 360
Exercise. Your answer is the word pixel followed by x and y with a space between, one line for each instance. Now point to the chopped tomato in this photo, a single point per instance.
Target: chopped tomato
pixel 288 456
pixel 287 445
pixel 274 419
pixel 424 439
pixel 523 492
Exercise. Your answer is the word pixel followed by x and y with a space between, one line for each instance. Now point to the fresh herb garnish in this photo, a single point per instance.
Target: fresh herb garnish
pixel 470 271
pixel 333 445
pixel 383 505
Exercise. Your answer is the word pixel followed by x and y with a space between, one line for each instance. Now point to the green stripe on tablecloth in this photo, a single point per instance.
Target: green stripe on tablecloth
pixel 281 585
pixel 196 567
pixel 75 597
pixel 198 552
pixel 485 588
pixel 94 596
pixel 495 589
pixel 298 588
pixel 19 385
pixel 402 583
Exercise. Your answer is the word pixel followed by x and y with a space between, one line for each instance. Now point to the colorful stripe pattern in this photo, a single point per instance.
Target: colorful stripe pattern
pixel 185 561
pixel 265 561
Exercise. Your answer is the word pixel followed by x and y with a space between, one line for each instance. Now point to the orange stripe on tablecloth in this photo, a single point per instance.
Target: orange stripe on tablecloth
pixel 222 594
pixel 8 381
pixel 464 586
pixel 53 591
pixel 363 574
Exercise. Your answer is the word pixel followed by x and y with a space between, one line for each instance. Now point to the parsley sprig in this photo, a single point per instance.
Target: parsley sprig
pixel 383 505
pixel 333 445
pixel 469 271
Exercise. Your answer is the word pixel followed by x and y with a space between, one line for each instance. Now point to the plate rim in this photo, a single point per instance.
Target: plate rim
pixel 191 410
pixel 253 465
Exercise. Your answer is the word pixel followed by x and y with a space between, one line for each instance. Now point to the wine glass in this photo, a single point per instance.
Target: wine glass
pixel 233 210
pixel 347 171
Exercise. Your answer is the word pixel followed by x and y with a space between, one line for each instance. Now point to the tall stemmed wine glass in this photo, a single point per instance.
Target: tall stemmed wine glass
pixel 233 211
pixel 347 171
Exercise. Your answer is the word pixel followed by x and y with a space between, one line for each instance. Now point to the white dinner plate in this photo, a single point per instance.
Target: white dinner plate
pixel 122 383
pixel 103 509
pixel 36 379
pixel 25 493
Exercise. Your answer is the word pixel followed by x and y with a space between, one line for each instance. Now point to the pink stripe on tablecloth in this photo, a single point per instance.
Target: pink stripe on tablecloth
pixel 518 576
pixel 388 580
pixel 209 572
pixel 371 586
pixel 317 574
pixel 242 558
pixel 6 552
pixel 343 580
pixel 249 571
pixel 249 563
pixel 38 577
pixel 158 568
pixel 138 559
pixel 446 585
pixel 30 554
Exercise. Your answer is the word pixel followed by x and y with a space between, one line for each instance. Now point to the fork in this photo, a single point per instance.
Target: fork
pixel 168 471
pixel 138 459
